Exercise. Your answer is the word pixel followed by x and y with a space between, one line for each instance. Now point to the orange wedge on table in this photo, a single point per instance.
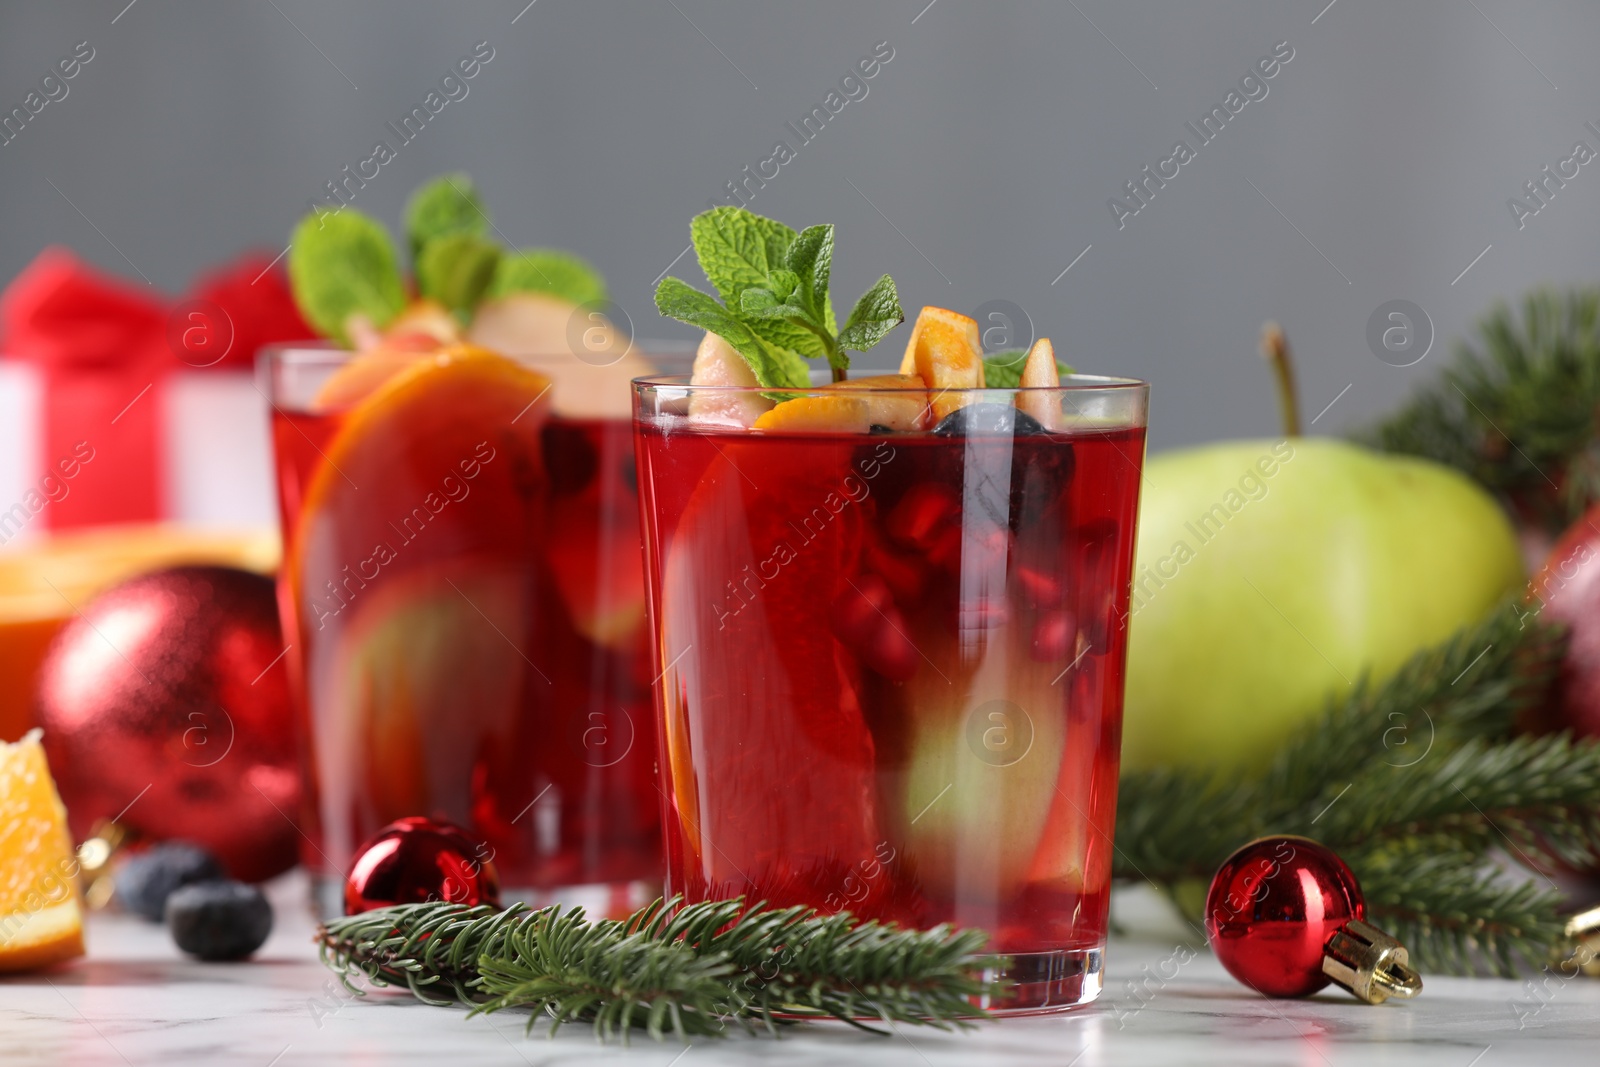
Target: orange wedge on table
pixel 41 921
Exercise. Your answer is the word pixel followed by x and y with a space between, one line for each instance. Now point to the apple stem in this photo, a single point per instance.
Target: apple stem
pixel 1275 350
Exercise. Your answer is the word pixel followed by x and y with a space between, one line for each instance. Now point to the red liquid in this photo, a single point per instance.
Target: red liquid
pixel 894 671
pixel 500 677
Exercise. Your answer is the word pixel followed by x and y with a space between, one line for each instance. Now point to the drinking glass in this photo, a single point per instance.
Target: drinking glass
pixel 891 663
pixel 463 598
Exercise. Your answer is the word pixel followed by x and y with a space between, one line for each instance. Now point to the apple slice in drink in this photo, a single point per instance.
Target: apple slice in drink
pixel 983 760
pixel 589 361
pixel 1040 372
pixel 718 365
pixel 416 675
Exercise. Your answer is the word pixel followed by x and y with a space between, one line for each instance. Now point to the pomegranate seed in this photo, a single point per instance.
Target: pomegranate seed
pixel 1055 637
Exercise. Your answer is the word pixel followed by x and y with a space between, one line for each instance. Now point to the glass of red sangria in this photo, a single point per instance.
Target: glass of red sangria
pixel 463 595
pixel 889 620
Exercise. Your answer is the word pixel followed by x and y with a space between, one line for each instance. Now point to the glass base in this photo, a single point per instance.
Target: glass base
pixel 609 900
pixel 1046 982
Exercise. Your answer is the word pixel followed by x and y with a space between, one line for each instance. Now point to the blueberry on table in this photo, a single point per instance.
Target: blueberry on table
pixel 1001 420
pixel 146 880
pixel 219 920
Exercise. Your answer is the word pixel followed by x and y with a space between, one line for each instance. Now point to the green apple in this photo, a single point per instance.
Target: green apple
pixel 1271 576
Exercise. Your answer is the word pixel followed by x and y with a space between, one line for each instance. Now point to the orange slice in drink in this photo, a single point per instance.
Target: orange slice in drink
pixel 450 444
pixel 946 353
pixel 361 376
pixel 419 331
pixel 40 918
pixel 412 566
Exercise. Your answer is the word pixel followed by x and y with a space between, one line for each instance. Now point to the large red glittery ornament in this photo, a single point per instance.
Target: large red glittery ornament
pixel 165 706
pixel 414 860
pixel 1272 908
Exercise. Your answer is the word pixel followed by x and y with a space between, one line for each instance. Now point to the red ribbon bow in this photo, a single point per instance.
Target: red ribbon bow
pixel 102 348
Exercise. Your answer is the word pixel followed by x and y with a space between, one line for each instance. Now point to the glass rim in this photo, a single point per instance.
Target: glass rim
pixel 322 351
pixel 1071 384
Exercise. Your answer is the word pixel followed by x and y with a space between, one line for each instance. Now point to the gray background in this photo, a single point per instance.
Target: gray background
pixel 982 158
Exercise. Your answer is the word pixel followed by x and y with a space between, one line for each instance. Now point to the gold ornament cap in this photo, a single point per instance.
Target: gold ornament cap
pixel 1370 964
pixel 1581 953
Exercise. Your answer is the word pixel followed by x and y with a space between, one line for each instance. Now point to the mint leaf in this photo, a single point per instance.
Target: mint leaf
pixel 1003 369
pixel 758 307
pixel 340 264
pixel 455 269
pixel 875 314
pixel 756 302
pixel 738 250
pixel 548 270
pixel 773 368
pixel 448 204
pixel 811 260
pixel 774 283
pixel 782 283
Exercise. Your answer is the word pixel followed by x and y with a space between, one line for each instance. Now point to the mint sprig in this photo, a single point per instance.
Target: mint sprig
pixel 774 367
pixel 548 270
pixel 447 205
pixel 776 309
pixel 341 264
pixel 456 269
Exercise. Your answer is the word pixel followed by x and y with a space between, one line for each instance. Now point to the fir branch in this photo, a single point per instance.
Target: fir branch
pixel 1176 824
pixel 800 963
pixel 666 968
pixel 1520 412
pixel 1511 787
pixel 1413 780
pixel 1451 912
pixel 431 949
pixel 563 966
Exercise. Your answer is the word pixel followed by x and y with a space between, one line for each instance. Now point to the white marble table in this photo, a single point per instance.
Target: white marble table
pixel 136 1001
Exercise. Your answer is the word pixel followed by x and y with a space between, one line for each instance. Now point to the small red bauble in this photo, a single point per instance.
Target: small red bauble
pixel 165 705
pixel 414 860
pixel 1273 907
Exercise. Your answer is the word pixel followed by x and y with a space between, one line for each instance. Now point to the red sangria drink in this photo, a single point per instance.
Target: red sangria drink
pixel 464 599
pixel 889 615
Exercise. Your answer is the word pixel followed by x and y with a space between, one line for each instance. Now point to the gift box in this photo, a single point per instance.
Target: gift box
pixel 132 437
pixel 119 404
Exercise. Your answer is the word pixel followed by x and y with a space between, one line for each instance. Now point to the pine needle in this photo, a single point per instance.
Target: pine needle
pixel 1519 411
pixel 668 968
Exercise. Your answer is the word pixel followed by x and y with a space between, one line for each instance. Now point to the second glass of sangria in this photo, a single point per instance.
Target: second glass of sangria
pixel 464 600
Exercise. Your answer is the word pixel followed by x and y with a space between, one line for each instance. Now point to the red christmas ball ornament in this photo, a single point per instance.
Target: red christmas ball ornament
pixel 414 860
pixel 1567 590
pixel 1286 917
pixel 165 706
